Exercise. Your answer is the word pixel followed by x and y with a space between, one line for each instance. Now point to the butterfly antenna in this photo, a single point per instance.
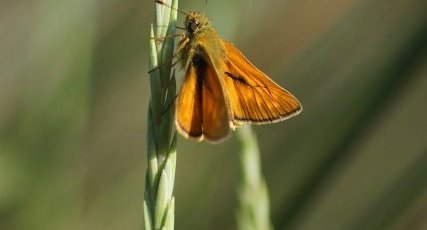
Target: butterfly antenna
pixel 206 6
pixel 173 8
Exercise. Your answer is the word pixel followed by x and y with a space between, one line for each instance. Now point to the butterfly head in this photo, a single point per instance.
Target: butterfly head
pixel 194 22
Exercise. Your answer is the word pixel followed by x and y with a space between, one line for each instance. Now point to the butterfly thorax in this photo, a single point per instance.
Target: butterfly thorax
pixel 201 41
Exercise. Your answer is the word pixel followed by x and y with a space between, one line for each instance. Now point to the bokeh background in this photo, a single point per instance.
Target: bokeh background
pixel 73 109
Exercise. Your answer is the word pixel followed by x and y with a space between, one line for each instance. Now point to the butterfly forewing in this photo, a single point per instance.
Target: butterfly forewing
pixel 201 111
pixel 189 110
pixel 253 96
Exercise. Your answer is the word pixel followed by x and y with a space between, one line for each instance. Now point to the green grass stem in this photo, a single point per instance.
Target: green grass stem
pixel 159 202
pixel 254 209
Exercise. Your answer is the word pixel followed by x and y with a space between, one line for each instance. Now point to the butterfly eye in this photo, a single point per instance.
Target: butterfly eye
pixel 193 26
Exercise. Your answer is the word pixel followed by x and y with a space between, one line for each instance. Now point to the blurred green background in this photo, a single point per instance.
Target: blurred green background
pixel 74 96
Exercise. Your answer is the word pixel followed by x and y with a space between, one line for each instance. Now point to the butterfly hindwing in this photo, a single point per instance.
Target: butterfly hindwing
pixel 215 119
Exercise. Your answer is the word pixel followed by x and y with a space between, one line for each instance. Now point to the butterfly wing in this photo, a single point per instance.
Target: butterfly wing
pixel 188 112
pixel 254 98
pixel 216 121
pixel 201 110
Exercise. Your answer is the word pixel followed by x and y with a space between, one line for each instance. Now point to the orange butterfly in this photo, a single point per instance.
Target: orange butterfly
pixel 222 89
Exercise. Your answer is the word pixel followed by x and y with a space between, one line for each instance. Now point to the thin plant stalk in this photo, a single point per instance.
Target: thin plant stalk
pixel 159 201
pixel 253 202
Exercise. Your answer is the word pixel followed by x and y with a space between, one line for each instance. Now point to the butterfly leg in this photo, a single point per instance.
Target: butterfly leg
pixel 176 27
pixel 164 63
pixel 161 39
pixel 169 105
pixel 181 46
